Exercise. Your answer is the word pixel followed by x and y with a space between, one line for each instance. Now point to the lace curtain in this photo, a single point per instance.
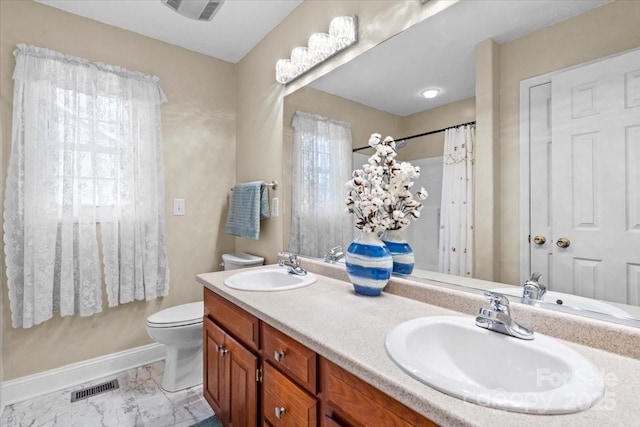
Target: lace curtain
pixel 456 211
pixel 85 174
pixel 321 167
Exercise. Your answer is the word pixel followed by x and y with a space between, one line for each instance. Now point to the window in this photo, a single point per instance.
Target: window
pixel 321 167
pixel 86 148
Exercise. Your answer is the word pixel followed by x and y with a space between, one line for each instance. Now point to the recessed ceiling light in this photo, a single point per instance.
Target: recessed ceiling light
pixel 430 93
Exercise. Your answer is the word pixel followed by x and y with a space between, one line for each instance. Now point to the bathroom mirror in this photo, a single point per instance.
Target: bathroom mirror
pixel 379 92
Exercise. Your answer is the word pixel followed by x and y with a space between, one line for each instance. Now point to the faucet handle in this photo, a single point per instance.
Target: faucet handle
pixel 335 250
pixel 498 301
pixel 535 276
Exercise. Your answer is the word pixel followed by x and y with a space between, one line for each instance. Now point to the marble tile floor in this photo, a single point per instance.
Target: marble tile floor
pixel 139 402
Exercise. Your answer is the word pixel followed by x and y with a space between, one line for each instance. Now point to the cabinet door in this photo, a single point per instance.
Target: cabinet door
pixel 236 321
pixel 242 393
pixel 213 367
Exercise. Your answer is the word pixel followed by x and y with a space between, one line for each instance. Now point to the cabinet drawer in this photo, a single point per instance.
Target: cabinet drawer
pixel 362 404
pixel 242 325
pixel 284 403
pixel 292 357
pixel 330 422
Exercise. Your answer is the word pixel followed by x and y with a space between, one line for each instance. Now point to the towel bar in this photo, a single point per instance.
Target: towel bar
pixel 272 184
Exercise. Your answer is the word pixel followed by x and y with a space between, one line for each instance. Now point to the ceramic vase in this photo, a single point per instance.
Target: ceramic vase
pixel 369 264
pixel 401 252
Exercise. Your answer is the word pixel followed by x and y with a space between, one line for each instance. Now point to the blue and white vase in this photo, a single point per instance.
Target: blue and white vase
pixel 401 252
pixel 369 264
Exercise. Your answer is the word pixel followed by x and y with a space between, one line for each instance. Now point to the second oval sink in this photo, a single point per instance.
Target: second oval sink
pixel 453 355
pixel 568 300
pixel 270 279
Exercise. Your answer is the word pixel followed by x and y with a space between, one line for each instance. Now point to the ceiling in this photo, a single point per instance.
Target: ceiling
pixel 436 53
pixel 439 53
pixel 235 29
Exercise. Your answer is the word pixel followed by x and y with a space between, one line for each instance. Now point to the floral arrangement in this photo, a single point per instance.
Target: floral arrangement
pixel 380 193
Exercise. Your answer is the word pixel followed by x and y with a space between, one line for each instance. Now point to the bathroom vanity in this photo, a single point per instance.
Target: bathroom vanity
pixel 316 356
pixel 255 372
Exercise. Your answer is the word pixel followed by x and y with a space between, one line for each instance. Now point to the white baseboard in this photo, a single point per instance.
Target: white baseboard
pixel 29 386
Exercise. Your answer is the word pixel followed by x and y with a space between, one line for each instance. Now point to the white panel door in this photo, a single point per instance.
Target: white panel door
pixel 595 179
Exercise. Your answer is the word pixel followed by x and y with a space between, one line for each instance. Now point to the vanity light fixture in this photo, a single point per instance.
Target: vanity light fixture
pixel 430 93
pixel 343 32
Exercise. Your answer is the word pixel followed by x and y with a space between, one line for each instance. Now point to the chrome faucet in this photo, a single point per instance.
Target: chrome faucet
pixel 294 266
pixel 334 254
pixel 497 318
pixel 532 289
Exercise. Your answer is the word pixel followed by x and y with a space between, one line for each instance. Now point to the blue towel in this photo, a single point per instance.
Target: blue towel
pixel 249 204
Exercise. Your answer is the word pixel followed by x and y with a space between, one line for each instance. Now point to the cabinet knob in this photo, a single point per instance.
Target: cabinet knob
pixel 280 412
pixel 279 355
pixel 223 351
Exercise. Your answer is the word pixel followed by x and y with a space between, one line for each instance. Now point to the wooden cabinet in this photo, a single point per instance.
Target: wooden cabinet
pixel 230 378
pixel 351 402
pixel 255 375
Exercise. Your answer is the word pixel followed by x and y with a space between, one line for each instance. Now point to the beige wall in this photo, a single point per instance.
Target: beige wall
pixel 199 124
pixel 486 195
pixel 260 99
pixel 604 31
pixel 456 113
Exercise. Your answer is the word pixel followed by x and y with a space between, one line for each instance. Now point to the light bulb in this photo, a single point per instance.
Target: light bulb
pixel 430 93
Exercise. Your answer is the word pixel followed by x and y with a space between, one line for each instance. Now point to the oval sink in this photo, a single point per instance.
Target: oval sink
pixel 568 300
pixel 453 355
pixel 271 279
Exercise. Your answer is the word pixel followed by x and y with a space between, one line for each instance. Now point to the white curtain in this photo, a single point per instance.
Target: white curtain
pixel 456 211
pixel 321 168
pixel 86 159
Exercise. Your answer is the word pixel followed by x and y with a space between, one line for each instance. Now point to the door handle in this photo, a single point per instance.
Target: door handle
pixel 539 240
pixel 563 242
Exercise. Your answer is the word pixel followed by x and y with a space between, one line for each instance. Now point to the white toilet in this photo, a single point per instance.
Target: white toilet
pixel 179 328
pixel 240 260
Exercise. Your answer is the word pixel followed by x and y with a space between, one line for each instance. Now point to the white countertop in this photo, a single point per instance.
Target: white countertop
pixel 350 330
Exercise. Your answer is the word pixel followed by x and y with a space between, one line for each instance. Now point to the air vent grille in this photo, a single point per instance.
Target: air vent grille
pixel 174 4
pixel 209 10
pixel 86 393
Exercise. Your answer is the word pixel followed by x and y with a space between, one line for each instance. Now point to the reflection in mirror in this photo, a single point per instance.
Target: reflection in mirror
pixel 533 43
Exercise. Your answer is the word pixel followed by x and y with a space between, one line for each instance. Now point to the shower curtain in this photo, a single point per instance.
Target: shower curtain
pixel 456 211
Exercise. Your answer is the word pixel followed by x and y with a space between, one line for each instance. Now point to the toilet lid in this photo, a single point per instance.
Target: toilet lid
pixel 180 315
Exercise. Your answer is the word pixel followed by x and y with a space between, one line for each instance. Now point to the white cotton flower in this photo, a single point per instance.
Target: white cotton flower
pixel 374 139
pixel 380 193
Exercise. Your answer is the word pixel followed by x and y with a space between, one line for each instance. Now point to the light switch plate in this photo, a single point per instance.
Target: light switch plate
pixel 275 206
pixel 178 207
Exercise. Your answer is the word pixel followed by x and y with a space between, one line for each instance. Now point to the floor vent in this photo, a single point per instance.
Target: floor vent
pixel 92 391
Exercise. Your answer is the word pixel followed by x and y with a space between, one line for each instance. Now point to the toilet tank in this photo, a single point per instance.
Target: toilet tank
pixel 241 260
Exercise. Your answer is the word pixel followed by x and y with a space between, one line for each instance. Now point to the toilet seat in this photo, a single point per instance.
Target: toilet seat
pixel 181 315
